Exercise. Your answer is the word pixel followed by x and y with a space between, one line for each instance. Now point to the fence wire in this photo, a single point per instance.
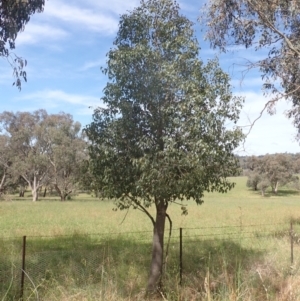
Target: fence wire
pixel 84 260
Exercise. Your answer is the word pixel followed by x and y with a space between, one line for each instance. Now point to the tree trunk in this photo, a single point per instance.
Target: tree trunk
pixel 273 189
pixel 59 192
pixel 21 192
pixel 276 187
pixel 154 281
pixel 35 189
pixel 3 180
pixel 45 192
pixel 22 189
pixel 35 195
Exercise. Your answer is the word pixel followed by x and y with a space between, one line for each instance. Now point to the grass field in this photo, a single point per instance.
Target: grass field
pixel 236 247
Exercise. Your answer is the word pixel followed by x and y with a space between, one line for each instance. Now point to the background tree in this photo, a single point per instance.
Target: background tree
pixel 27 146
pixel 263 185
pixel 5 164
pixel 277 169
pixel 271 25
pixel 270 170
pixel 162 137
pixel 254 178
pixel 43 150
pixel 14 15
pixel 66 151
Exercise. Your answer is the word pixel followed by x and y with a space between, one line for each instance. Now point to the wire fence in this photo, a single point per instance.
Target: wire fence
pixel 28 265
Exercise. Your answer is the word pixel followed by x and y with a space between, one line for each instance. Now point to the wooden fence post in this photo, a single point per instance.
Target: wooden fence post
pixel 180 255
pixel 23 267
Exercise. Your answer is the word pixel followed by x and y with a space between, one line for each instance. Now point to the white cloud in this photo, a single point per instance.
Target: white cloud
pixel 113 6
pixel 6 73
pixel 83 17
pixel 270 134
pixel 92 64
pixel 58 96
pixel 34 32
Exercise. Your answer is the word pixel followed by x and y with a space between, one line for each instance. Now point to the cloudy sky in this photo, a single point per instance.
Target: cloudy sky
pixel 66 45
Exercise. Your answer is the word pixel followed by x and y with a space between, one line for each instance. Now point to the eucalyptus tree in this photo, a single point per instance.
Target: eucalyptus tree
pixel 272 28
pixel 27 147
pixel 14 15
pixel 44 149
pixel 66 152
pixel 277 169
pixel 167 133
pixel 5 164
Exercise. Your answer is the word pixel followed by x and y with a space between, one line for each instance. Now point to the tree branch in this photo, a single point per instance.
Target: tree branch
pixel 168 244
pixel 271 26
pixel 142 208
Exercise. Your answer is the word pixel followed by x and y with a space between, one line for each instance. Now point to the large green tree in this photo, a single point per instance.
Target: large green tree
pixel 270 27
pixel 167 133
pixel 14 15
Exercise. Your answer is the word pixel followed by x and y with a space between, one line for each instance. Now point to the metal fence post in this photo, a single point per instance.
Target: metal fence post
pixel 180 255
pixel 23 267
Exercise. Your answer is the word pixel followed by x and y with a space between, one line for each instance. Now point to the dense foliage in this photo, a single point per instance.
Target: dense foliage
pixel 37 149
pixel 271 171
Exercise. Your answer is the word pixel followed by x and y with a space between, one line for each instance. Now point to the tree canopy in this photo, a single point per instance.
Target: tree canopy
pixel 163 136
pixel 42 149
pixel 14 15
pixel 272 26
pixel 270 170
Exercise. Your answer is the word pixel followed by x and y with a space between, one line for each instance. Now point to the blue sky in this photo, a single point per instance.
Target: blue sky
pixel 66 45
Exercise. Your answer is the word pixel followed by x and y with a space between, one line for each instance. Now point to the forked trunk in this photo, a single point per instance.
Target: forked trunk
pixel 154 281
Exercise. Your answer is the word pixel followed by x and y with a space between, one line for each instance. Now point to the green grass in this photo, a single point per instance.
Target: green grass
pixel 223 258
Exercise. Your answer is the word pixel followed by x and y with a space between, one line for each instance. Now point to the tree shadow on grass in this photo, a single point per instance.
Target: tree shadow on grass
pixel 217 263
pixel 120 264
pixel 287 192
pixel 280 193
pixel 73 263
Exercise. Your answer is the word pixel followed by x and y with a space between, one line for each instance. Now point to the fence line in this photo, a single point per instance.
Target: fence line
pixel 180 239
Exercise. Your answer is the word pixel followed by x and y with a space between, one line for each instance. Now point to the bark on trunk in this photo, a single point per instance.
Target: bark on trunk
pixel 35 189
pixel 58 192
pixel 35 195
pixel 2 182
pixel 45 192
pixel 154 281
pixel 63 197
pixel 276 187
pixel 22 192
